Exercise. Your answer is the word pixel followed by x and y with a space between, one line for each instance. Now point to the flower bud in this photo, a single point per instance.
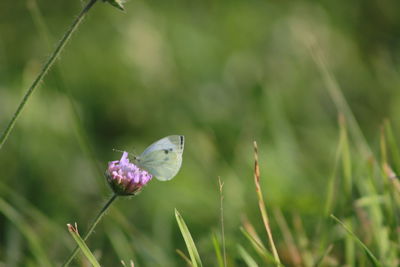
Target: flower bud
pixel 126 178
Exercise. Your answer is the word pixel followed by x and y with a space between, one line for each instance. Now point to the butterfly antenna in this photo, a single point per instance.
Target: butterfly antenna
pixel 129 153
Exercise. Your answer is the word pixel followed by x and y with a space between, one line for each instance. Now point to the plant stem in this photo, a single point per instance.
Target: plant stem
pixel 46 68
pixel 261 205
pixel 221 197
pixel 91 228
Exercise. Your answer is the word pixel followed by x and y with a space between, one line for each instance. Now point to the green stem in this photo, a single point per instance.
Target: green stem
pixel 46 68
pixel 91 228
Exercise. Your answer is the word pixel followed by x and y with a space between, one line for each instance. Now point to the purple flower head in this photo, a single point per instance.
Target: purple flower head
pixel 126 178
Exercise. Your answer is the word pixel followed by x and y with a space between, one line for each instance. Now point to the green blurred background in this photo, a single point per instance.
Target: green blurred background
pixel 222 73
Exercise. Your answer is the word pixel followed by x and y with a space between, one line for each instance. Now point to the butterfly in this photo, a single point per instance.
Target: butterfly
pixel 163 158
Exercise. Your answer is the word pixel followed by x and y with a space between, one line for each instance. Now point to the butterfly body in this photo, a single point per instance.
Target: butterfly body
pixel 163 158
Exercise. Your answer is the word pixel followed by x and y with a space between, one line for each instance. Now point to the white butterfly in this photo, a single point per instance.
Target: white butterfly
pixel 163 158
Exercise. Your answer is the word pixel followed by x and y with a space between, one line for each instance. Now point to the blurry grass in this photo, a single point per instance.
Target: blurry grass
pixel 320 261
pixel 207 70
pixel 346 158
pixel 148 249
pixel 83 139
pixel 259 247
pixel 334 89
pixel 288 238
pixel 184 257
pixel 333 184
pixel 247 257
pixel 27 230
pixel 221 197
pixel 55 54
pixel 353 236
pixel 120 242
pixel 303 241
pixel 217 248
pixel 392 144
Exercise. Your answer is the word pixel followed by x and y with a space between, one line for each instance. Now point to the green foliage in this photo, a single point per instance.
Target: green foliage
pixel 222 73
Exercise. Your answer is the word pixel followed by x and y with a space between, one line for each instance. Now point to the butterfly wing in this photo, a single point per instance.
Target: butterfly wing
pixel 163 159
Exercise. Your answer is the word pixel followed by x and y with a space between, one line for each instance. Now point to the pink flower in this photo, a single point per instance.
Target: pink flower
pixel 126 178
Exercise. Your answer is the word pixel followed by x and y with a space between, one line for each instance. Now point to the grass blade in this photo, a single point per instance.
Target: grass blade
pixel 346 157
pixel 258 247
pixel 184 257
pixel 293 250
pixel 303 241
pixel 191 247
pixel 349 246
pixel 392 144
pixel 27 231
pixel 120 242
pixel 336 94
pixel 392 177
pixel 221 186
pixel 330 195
pixel 217 249
pixel 261 205
pixel 321 259
pixel 45 69
pixel 147 248
pixel 81 135
pixel 89 255
pixel 246 257
pixel 371 256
